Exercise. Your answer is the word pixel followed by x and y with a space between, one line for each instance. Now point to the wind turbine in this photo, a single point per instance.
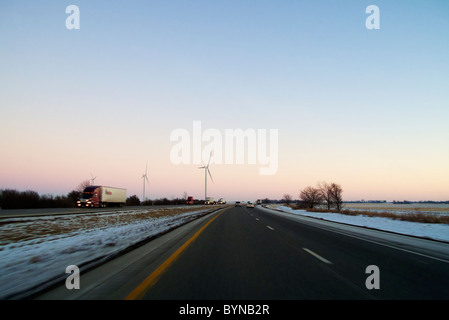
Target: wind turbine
pixel 206 170
pixel 145 180
pixel 92 180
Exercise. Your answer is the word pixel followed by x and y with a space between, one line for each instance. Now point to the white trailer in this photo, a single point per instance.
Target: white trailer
pixel 102 196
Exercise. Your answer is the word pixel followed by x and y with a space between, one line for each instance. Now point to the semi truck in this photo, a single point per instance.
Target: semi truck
pixel 101 196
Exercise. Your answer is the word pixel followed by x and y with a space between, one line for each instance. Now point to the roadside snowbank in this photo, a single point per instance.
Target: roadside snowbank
pixel 425 230
pixel 27 263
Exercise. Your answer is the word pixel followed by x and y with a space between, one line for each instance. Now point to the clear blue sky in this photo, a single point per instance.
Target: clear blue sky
pixel 365 108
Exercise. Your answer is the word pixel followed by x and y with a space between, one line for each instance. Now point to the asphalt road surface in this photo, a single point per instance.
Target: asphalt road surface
pixel 253 254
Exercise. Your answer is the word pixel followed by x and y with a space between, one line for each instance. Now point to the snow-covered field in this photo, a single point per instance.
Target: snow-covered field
pixel 34 250
pixel 426 230
pixel 401 208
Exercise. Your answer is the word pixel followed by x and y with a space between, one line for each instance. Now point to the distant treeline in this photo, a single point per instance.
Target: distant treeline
pixel 366 201
pixel 13 199
pixel 425 201
pixel 398 202
pixel 135 201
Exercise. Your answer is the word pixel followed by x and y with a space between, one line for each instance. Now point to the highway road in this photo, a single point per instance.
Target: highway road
pixel 257 254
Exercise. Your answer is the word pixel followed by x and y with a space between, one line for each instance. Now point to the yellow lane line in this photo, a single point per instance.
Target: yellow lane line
pixel 139 292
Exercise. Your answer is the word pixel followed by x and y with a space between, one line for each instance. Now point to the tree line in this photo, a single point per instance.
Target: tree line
pixel 13 199
pixel 29 199
pixel 328 194
pixel 135 201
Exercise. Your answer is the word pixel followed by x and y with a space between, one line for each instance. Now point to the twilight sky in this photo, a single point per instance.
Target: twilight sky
pixel 368 109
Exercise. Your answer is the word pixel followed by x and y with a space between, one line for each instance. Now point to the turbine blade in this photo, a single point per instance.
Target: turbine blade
pixel 210 175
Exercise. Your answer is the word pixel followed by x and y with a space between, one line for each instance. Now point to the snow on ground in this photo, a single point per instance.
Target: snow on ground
pixel 33 259
pixel 400 208
pixel 426 230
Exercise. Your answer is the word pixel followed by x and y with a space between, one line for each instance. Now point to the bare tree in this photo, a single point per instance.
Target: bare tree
pixel 83 185
pixel 287 198
pixel 326 193
pixel 311 197
pixel 336 192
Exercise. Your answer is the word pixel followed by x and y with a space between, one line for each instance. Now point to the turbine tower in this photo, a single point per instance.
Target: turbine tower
pixel 206 171
pixel 145 180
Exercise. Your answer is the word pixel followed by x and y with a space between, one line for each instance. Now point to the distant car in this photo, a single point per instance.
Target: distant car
pixel 237 204
pixel 249 204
